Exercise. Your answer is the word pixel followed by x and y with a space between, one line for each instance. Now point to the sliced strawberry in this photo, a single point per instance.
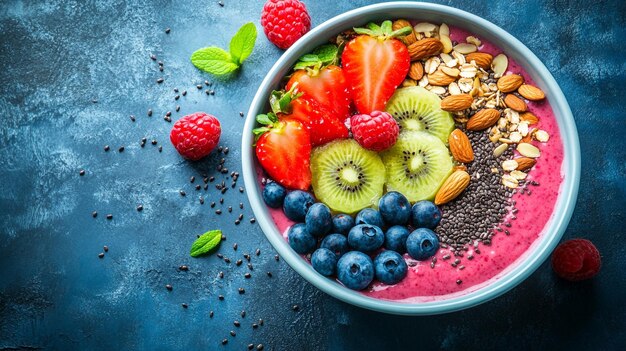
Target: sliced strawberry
pixel 327 86
pixel 323 125
pixel 284 150
pixel 375 64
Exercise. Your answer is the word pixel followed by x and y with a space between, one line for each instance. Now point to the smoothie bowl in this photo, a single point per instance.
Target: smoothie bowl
pixel 411 158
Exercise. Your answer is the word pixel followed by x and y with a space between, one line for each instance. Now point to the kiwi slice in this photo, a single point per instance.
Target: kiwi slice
pixel 347 177
pixel 419 110
pixel 417 165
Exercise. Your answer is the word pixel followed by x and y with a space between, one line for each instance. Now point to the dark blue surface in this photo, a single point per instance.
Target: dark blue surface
pixel 55 293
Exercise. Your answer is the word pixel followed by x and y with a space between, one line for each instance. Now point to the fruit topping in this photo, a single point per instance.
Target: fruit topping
pixel 285 21
pixel 342 223
pixel 355 270
pixel 395 238
pixel 576 260
pixel 346 177
pixel 274 194
pixel 300 240
pixel 417 165
pixel 324 261
pixel 318 220
pixel 422 244
pixel 389 267
pixel 296 205
pixel 369 216
pixel 336 243
pixel 425 214
pixel 366 238
pixel 394 208
pixel 377 131
pixel 196 135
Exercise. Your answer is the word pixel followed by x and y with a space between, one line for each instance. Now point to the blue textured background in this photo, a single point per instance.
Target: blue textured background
pixel 57 57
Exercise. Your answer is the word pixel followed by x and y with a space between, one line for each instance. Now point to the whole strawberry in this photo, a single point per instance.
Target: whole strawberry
pixel 194 136
pixel 285 21
pixel 377 131
pixel 576 260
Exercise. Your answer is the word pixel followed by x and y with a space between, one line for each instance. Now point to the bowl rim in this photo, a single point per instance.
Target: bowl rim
pixel 553 231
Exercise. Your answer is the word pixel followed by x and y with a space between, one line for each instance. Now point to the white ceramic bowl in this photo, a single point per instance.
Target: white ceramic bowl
pixel 482 28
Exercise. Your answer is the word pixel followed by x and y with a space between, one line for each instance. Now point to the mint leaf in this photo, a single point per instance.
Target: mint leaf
pixel 326 53
pixel 242 44
pixel 206 242
pixel 213 60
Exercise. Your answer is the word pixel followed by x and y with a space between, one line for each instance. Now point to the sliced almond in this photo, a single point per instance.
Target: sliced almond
pixel 465 48
pixel 542 136
pixel 438 90
pixel 455 103
pixel 460 58
pixel 473 40
pixel 454 89
pixel 424 27
pixel 500 149
pixel 509 181
pixel 423 82
pixel 519 175
pixel 528 150
pixel 446 58
pixel 444 30
pixel 446 42
pixel 509 165
pixel 452 72
pixel 499 65
pixel 452 187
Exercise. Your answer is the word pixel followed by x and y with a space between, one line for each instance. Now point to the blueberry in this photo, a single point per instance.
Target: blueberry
pixel 300 240
pixel 369 216
pixel 422 244
pixel 324 261
pixel 425 214
pixel 366 238
pixel 355 270
pixel 395 238
pixel 296 205
pixel 274 194
pixel 318 220
pixel 390 267
pixel 342 223
pixel 336 243
pixel 394 208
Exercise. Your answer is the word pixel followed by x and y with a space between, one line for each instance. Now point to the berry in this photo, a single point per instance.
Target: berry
pixel 297 204
pixel 394 208
pixel 375 66
pixel 284 150
pixel 342 223
pixel 395 238
pixel 324 261
pixel 324 125
pixel 422 244
pixel 285 21
pixel 377 131
pixel 355 270
pixel 369 216
pixel 366 238
pixel 576 260
pixel 425 214
pixel 336 243
pixel 274 194
pixel 390 267
pixel 318 220
pixel 194 136
pixel 300 240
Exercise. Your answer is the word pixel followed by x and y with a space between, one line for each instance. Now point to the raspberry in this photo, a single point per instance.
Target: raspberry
pixel 576 260
pixel 196 135
pixel 285 21
pixel 377 131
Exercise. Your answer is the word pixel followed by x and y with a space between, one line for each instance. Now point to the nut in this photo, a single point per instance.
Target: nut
pixel 483 119
pixel 409 38
pixel 515 103
pixel 455 103
pixel 440 79
pixel 509 165
pixel 446 42
pixel 460 146
pixel 529 117
pixel 500 149
pixel 465 48
pixel 452 187
pixel 499 65
pixel 528 150
pixel 424 48
pixel 416 71
pixel 482 59
pixel 409 82
pixel 452 72
pixel 510 83
pixel 424 27
pixel 541 136
pixel 531 92
pixel 525 163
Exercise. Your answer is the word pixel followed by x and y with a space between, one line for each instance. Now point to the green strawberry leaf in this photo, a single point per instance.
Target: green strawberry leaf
pixel 206 243
pixel 401 32
pixel 213 60
pixel 309 58
pixel 364 31
pixel 326 53
pixel 263 120
pixel 242 44
pixel 386 28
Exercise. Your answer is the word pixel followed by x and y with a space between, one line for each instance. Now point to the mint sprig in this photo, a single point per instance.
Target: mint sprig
pixel 217 61
pixel 206 243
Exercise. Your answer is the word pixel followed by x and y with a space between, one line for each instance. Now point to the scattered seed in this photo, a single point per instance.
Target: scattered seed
pixel 101 255
pixel 109 216
pixel 94 214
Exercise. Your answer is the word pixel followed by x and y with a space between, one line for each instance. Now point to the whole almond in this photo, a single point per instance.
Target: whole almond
pixel 482 59
pixel 409 38
pixel 529 117
pixel 515 103
pixel 424 48
pixel 452 187
pixel 460 146
pixel 510 83
pixel 531 92
pixel 440 79
pixel 483 119
pixel 525 163
pixel 455 103
pixel 416 71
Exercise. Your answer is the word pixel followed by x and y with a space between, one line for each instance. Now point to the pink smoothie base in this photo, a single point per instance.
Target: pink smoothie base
pixel 423 283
